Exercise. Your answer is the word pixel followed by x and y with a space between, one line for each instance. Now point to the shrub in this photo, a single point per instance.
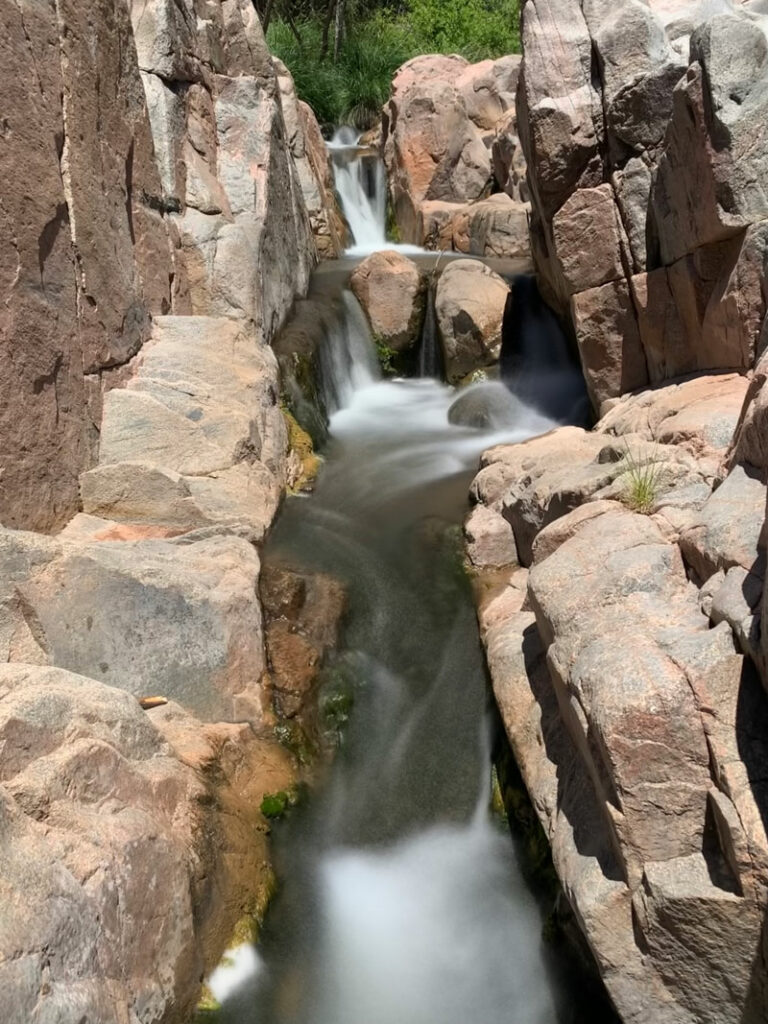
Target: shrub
pixel 353 89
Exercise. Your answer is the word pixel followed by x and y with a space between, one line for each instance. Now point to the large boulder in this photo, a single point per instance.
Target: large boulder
pixel 436 137
pixel 469 305
pixel 111 887
pixel 392 292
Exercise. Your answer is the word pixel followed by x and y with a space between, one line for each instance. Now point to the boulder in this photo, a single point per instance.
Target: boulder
pixel 496 226
pixel 392 292
pixel 106 834
pixel 700 414
pixel 469 304
pixel 433 132
pixel 193 440
pixel 486 405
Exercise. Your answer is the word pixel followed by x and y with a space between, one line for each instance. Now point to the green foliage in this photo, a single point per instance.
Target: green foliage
pixel 274 805
pixel 476 29
pixel 387 357
pixel 643 479
pixel 377 40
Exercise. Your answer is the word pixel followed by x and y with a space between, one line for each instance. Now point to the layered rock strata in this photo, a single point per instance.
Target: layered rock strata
pixel 642 130
pixel 615 588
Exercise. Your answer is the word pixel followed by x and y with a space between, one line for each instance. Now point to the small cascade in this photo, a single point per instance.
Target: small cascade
pixel 361 182
pixel 347 360
pixel 362 186
pixel 430 355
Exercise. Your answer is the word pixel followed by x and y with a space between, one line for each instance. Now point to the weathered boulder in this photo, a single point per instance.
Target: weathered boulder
pixel 435 136
pixel 108 868
pixel 193 440
pixel 392 291
pixel 700 414
pixel 496 226
pixel 469 304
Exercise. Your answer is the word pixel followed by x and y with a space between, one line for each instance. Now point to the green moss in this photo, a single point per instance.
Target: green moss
pixel 290 734
pixel 387 356
pixel 300 442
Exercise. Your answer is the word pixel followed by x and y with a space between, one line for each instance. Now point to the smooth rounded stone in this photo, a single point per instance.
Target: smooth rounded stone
pixel 392 292
pixel 487 406
pixel 469 304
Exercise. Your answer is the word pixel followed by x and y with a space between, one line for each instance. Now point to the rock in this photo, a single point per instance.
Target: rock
pixel 588 222
pixel 469 304
pixel 303 614
pixel 99 816
pixel 496 226
pixel 433 132
pixel 508 160
pixel 700 414
pixel 729 529
pixel 611 352
pixel 392 292
pixel 313 167
pixel 487 405
pixel 490 544
pixel 193 440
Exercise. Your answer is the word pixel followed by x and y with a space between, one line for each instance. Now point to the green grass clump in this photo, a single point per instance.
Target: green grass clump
pixel 376 42
pixel 643 479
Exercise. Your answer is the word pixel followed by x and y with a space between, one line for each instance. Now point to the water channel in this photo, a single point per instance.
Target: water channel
pixel 402 899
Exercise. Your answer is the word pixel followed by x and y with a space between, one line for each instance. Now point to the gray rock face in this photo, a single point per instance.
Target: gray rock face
pixel 643 129
pixel 638 728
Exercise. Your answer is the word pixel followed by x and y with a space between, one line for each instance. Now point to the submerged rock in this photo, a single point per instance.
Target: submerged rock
pixel 487 405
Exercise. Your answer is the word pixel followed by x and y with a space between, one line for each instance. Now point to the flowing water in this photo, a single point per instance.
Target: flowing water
pixel 362 187
pixel 402 900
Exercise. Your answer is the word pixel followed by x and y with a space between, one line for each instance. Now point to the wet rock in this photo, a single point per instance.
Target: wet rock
pixel 303 612
pixel 487 405
pixel 469 305
pixel 392 292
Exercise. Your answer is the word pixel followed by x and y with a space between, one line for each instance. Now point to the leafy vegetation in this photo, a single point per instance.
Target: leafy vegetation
pixel 347 80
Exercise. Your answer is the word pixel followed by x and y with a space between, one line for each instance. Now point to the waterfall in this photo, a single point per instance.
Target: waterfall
pixel 361 183
pixel 430 356
pixel 347 358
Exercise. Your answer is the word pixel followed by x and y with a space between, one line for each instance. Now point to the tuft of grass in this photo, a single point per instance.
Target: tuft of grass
pixel 643 480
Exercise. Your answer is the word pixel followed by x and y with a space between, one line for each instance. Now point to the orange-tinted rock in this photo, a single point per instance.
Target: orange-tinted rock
pixel 392 292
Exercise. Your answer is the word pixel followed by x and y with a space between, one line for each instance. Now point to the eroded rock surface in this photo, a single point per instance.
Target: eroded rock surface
pixel 469 305
pixel 648 222
pixel 443 119
pixel 637 725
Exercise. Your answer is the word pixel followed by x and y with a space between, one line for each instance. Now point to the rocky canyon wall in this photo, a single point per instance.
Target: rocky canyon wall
pixel 643 125
pixel 160 189
pixel 147 169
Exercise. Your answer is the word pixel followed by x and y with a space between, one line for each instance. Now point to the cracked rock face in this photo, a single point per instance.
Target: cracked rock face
pixel 624 650
pixel 643 131
pixel 173 173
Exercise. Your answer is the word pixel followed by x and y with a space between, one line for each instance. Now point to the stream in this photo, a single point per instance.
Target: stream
pixel 402 898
